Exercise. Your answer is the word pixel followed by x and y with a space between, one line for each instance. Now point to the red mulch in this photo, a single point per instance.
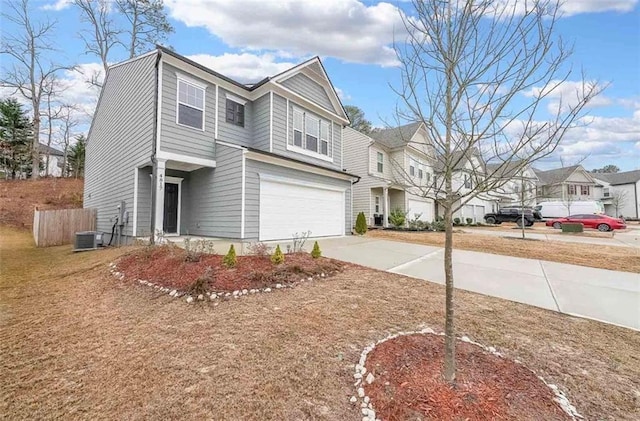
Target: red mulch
pixel 168 266
pixel 409 384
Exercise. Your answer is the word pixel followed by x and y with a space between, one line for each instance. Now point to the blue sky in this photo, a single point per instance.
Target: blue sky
pixel 248 40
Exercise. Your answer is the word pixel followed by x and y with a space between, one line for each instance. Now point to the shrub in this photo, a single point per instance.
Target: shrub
pixel 230 260
pixel 192 254
pixel 201 285
pixel 397 217
pixel 437 225
pixel 277 257
pixel 299 240
pixel 456 221
pixel 361 224
pixel 569 227
pixel 469 221
pixel 258 249
pixel 315 253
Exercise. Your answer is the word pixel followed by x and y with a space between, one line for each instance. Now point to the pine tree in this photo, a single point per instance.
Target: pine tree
pixel 361 224
pixel 230 260
pixel 315 253
pixel 277 257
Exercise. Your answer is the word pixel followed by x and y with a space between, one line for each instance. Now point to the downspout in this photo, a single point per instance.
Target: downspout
pixel 154 162
pixel 635 190
pixel 353 183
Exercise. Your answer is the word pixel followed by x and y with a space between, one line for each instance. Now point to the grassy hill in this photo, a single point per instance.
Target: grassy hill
pixel 18 198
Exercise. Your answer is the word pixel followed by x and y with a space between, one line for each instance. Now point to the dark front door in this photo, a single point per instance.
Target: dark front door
pixel 170 208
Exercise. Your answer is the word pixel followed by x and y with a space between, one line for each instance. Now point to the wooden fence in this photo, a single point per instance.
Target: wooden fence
pixel 57 227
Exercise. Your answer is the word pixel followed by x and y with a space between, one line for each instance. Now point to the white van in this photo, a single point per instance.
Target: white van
pixel 560 209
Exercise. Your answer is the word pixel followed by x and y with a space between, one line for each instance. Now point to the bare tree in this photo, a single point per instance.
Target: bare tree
pixel 102 35
pixel 477 74
pixel 619 198
pixel 147 24
pixel 30 71
pixel 68 122
pixel 51 113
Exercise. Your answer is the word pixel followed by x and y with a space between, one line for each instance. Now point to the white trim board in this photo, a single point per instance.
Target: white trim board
pixel 135 202
pixel 283 162
pixel 170 156
pixel 286 180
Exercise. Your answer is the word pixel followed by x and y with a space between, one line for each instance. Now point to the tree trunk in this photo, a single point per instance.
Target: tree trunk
pixel 35 154
pixel 449 332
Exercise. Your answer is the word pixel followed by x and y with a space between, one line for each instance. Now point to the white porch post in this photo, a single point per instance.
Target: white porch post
pixel 159 205
pixel 385 199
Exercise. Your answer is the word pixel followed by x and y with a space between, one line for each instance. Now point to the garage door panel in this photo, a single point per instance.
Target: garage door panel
pixel 287 208
pixel 417 206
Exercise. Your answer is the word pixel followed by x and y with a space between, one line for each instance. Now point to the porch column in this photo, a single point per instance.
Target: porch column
pixel 159 190
pixel 385 214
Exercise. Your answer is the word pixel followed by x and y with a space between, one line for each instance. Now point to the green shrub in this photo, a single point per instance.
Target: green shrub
pixel 569 227
pixel 469 221
pixel 456 221
pixel 277 257
pixel 230 260
pixel 361 224
pixel 398 217
pixel 315 253
pixel 437 225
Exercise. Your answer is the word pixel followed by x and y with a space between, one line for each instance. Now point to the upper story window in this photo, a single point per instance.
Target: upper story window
pixel 571 188
pixel 420 172
pixel 234 112
pixel 605 192
pixel 190 105
pixel 467 181
pixel 380 161
pixel 412 168
pixel 584 190
pixel 311 133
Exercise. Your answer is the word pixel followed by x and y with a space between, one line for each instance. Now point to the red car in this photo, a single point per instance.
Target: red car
pixel 599 222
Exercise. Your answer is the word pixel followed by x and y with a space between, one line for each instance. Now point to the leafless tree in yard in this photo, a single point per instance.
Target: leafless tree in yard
pixel 477 74
pixel 68 122
pixel 619 198
pixel 52 112
pixel 147 24
pixel 30 69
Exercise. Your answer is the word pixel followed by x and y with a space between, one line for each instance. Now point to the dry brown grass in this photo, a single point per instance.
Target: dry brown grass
pixel 626 259
pixel 19 197
pixel 77 344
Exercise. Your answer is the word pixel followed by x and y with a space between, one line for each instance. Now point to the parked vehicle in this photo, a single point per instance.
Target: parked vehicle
pixel 513 214
pixel 599 222
pixel 560 209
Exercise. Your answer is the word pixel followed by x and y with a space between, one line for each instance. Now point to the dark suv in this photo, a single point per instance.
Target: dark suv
pixel 513 214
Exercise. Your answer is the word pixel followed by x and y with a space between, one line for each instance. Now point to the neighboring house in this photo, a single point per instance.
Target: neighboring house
pixel 469 169
pixel 193 152
pixel 520 182
pixel 391 163
pixel 568 184
pixel 56 161
pixel 620 193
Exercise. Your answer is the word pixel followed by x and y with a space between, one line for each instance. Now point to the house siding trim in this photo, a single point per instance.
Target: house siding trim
pixel 271 121
pixel 293 164
pixel 159 108
pixel 178 181
pixel 243 193
pixel 171 156
pixel 135 203
pixel 293 181
pixel 215 130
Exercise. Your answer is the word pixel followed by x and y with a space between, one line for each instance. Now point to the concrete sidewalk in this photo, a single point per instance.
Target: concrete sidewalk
pixel 629 238
pixel 605 295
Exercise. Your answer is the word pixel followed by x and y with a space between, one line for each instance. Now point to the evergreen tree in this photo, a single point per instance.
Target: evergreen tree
pixel 16 133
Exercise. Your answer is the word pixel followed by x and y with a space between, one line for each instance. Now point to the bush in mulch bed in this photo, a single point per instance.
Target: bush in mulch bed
pixel 409 384
pixel 168 266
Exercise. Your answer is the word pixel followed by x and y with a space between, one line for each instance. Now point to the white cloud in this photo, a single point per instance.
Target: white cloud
pixel 567 94
pixel 575 7
pixel 342 94
pixel 345 29
pixel 243 67
pixel 58 5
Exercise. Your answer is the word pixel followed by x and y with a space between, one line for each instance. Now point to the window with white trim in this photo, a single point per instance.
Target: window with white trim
pixel 190 105
pixel 420 172
pixel 412 168
pixel 377 204
pixel 234 113
pixel 380 160
pixel 311 133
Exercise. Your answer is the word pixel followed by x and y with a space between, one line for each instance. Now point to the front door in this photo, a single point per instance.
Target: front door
pixel 170 208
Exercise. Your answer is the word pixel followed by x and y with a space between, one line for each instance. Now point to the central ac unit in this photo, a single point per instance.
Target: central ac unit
pixel 87 240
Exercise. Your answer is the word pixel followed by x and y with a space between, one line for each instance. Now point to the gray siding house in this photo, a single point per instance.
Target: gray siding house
pixel 393 164
pixel 192 152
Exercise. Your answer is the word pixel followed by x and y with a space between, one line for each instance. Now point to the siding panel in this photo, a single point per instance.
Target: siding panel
pixel 306 87
pixel 261 125
pixel 233 133
pixel 181 139
pixel 120 139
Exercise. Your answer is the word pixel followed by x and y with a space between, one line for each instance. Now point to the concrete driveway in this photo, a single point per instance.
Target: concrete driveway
pixel 604 295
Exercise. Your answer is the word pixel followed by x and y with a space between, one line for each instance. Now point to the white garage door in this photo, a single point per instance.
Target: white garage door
pixel 417 206
pixel 480 213
pixel 467 211
pixel 287 208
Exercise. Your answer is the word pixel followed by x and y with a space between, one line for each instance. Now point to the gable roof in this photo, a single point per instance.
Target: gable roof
pixel 627 177
pixel 509 169
pixel 557 175
pixel 460 159
pixel 42 148
pixel 396 137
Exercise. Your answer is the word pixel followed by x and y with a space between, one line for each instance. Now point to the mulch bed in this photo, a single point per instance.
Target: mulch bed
pixel 409 384
pixel 168 266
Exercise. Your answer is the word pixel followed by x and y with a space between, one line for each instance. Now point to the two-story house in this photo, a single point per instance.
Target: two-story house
pixel 517 183
pixel 192 152
pixel 394 164
pixel 619 193
pixel 572 183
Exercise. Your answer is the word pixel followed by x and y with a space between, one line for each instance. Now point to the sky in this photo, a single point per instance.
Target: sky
pixel 248 40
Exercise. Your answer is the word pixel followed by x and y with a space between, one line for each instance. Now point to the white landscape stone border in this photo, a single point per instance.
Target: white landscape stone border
pixel 212 296
pixel 361 375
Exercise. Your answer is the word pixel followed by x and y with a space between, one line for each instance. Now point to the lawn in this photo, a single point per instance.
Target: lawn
pixel 77 343
pixel 626 259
